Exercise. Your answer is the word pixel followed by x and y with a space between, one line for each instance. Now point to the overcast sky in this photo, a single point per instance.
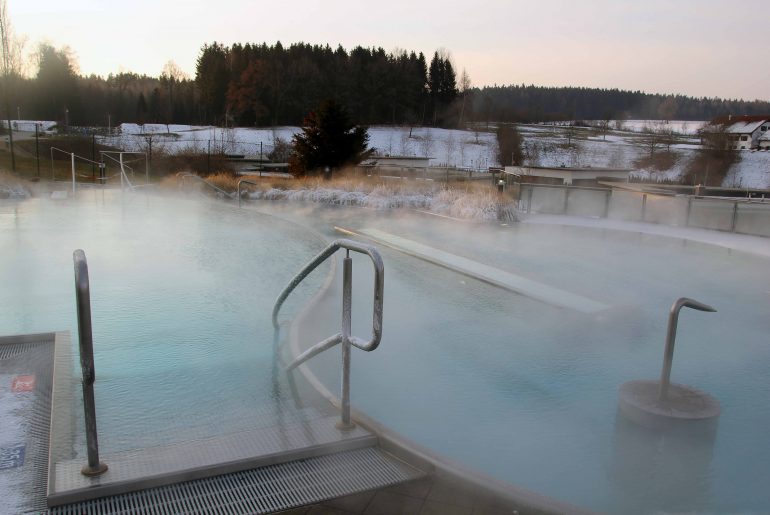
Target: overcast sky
pixel 700 48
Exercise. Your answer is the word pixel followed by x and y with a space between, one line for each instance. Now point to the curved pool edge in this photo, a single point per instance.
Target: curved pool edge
pixel 415 454
pixel 749 243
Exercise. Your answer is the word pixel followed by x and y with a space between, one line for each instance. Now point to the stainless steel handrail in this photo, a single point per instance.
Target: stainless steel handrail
pixel 83 301
pixel 668 354
pixel 239 188
pixel 343 337
pixel 187 175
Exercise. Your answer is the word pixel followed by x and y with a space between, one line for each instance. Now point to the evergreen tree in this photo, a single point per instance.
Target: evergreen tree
pixel 509 151
pixel 329 140
pixel 212 77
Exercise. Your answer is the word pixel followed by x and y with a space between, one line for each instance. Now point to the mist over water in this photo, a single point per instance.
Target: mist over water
pixel 182 294
pixel 528 392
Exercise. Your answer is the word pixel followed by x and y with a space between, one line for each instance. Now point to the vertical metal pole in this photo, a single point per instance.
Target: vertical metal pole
pixel 529 199
pixel 668 355
pixel 73 173
pixel 607 204
pixel 147 170
pixel 93 155
pixel 83 301
pixel 566 199
pixel 644 205
pixel 37 148
pixel 121 170
pixel 735 217
pixel 347 303
pixel 689 209
pixel 208 159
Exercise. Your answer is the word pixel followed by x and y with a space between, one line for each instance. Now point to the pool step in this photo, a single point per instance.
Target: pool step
pixel 139 469
pixel 262 490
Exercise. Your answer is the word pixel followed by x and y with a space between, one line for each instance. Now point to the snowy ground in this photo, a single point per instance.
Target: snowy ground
pixel 752 171
pixel 544 145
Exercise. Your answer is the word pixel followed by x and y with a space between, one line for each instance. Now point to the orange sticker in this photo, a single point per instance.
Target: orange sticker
pixel 23 384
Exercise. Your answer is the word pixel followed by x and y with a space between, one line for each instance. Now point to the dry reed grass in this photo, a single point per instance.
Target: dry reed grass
pixel 467 200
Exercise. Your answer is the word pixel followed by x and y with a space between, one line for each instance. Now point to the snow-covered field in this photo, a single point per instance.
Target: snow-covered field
pixel 544 145
pixel 752 171
pixel 678 126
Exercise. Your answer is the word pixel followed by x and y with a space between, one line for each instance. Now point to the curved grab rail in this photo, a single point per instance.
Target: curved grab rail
pixel 379 282
pixel 668 354
pixel 240 181
pixel 344 338
pixel 187 175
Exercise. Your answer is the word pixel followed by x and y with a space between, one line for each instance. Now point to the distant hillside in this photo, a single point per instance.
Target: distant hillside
pixel 538 104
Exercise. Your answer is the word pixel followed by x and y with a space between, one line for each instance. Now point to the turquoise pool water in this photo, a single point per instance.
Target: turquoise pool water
pixel 181 296
pixel 528 393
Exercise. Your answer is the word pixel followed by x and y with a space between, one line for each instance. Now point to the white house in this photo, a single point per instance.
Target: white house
pixel 744 132
pixel 763 143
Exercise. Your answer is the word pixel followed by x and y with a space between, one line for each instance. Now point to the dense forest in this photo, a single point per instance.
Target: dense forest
pixel 261 84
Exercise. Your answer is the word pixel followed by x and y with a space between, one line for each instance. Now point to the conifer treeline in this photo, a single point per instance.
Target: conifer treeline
pixel 537 104
pixel 273 85
pixel 260 84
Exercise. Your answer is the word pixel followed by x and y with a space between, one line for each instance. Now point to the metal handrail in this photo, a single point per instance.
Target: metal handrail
pixel 343 337
pixel 83 301
pixel 668 354
pixel 239 188
pixel 187 175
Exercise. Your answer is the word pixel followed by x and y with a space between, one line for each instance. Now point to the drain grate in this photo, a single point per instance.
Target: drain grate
pixel 11 350
pixel 263 490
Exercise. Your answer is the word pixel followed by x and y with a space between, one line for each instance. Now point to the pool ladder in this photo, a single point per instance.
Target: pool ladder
pixel 344 338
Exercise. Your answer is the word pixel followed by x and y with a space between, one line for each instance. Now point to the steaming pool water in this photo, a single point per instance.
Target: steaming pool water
pixel 518 389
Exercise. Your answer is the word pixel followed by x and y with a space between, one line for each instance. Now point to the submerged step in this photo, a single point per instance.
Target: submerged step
pixel 26 370
pixel 263 490
pixel 135 470
pixel 516 283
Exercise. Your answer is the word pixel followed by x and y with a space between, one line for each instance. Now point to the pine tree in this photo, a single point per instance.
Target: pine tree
pixel 329 140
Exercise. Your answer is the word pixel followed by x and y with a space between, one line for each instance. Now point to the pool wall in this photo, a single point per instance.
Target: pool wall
pixel 739 215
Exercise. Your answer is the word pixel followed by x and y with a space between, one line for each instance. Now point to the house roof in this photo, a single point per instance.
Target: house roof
pixel 745 124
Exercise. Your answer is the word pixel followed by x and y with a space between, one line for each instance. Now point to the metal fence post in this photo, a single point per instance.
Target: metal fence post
pixel 566 199
pixel 735 217
pixel 644 205
pixel 83 301
pixel 529 199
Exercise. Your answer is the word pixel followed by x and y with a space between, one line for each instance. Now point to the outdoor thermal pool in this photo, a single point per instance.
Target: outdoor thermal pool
pixel 521 390
pixel 181 296
pixel 528 393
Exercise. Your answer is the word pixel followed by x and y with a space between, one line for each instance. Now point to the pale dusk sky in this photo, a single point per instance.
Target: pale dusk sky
pixel 699 48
